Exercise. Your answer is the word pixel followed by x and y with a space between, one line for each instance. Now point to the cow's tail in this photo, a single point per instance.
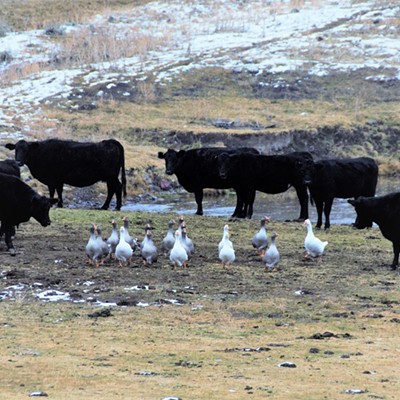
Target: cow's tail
pixel 122 167
pixel 310 195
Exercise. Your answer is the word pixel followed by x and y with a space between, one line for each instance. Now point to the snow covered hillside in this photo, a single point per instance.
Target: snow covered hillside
pixel 318 37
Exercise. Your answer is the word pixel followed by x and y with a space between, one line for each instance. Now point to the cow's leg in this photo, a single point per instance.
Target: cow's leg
pixel 59 189
pixel 118 194
pixel 327 212
pixel 110 193
pixel 8 239
pixel 251 196
pixel 302 195
pixel 52 190
pixel 396 251
pixel 199 201
pixel 238 212
pixel 319 205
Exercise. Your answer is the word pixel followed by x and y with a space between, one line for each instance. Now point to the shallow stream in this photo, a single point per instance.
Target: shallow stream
pixel 281 207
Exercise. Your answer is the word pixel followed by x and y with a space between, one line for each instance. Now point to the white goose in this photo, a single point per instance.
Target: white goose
pixel 169 239
pixel 186 241
pixel 260 239
pixel 113 239
pixel 271 256
pixel 314 246
pixel 123 251
pixel 221 243
pixel 128 238
pixel 227 253
pixel 102 243
pixel 149 249
pixel 178 254
pixel 93 249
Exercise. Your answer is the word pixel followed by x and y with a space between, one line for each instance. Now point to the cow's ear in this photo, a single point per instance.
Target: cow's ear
pixel 352 202
pixel 161 155
pixel 10 146
pixel 181 153
pixel 319 166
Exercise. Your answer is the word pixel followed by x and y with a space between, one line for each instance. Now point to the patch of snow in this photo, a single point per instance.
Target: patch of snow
pixel 53 296
pixel 253 37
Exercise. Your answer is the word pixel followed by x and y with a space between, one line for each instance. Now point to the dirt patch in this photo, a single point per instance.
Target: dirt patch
pixel 51 264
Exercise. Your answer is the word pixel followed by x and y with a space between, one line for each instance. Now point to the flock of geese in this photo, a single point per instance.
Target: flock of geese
pixel 180 248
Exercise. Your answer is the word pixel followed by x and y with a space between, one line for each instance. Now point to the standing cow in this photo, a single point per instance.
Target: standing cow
pixel 197 169
pixel 9 167
pixel 385 212
pixel 248 173
pixel 342 178
pixel 57 162
pixel 18 203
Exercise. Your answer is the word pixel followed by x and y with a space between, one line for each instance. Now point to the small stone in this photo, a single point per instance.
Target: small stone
pixel 314 350
pixel 355 391
pixel 171 398
pixel 287 364
pixel 38 394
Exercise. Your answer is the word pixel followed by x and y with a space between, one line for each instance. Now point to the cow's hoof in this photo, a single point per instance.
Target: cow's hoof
pixel 12 251
pixel 393 267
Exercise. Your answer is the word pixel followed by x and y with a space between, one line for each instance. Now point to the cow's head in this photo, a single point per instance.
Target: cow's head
pixel 225 162
pixel 304 168
pixel 172 160
pixel 363 219
pixel 40 208
pixel 21 151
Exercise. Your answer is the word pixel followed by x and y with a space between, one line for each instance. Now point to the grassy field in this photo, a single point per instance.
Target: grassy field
pixel 337 321
pixel 230 332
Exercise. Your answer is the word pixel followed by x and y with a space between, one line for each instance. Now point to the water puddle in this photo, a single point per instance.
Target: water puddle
pixel 280 207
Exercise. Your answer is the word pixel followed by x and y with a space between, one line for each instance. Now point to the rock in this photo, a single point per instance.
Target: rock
pixel 355 391
pixel 165 184
pixel 314 350
pixel 287 364
pixel 171 398
pixel 38 394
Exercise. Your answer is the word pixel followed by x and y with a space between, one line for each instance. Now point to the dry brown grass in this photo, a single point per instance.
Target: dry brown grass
pixel 37 14
pixel 97 44
pixel 197 114
pixel 67 355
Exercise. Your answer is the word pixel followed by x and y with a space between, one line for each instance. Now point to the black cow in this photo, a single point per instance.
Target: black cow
pixel 9 167
pixel 18 203
pixel 269 174
pixel 55 162
pixel 197 169
pixel 385 212
pixel 342 178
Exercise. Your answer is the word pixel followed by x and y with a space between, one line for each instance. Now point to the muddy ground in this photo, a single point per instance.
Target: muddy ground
pixel 354 270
